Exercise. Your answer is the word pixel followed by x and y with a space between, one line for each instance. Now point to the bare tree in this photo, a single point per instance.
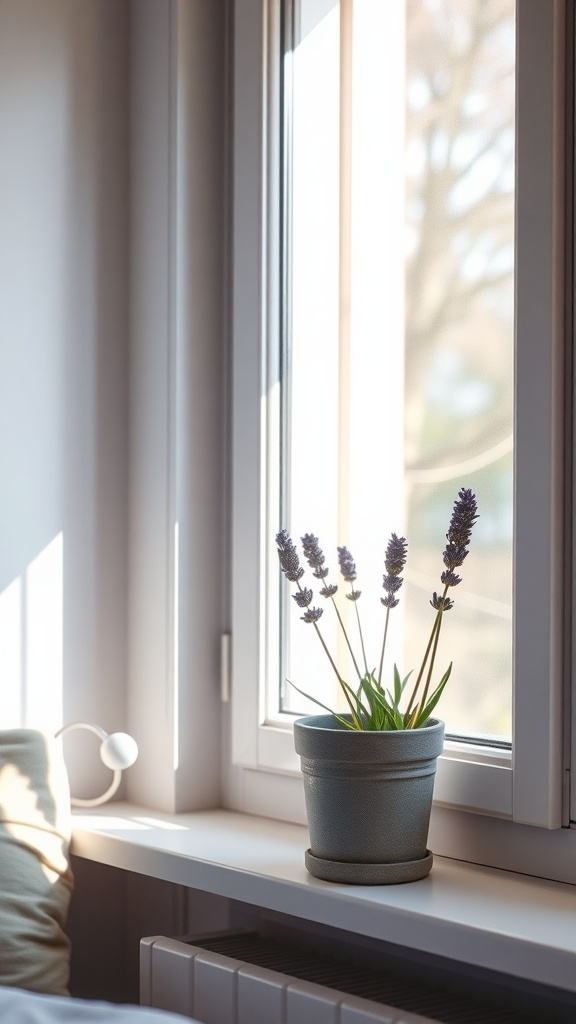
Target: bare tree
pixel 460 204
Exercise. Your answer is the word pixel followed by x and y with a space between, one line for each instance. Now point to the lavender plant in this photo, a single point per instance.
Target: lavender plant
pixel 371 706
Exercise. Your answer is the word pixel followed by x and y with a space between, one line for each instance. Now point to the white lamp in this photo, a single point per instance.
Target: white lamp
pixel 118 750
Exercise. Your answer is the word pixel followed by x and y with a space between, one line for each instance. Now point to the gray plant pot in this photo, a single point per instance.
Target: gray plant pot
pixel 368 800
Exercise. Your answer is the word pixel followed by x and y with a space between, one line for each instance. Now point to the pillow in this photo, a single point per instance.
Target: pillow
pixel 35 874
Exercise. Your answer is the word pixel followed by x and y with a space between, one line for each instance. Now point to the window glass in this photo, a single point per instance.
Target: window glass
pixel 397 347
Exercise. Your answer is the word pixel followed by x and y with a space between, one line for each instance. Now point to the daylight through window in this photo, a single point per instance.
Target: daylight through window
pixel 397 349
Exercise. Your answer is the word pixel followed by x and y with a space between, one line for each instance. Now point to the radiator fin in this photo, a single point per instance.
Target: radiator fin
pixel 248 978
pixel 350 977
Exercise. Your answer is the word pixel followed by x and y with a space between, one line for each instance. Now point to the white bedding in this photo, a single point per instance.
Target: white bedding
pixel 20 1007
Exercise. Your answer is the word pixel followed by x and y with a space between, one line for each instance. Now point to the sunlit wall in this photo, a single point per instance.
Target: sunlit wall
pixel 63 359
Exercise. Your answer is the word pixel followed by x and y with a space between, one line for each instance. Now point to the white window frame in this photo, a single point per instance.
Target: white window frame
pixel 531 787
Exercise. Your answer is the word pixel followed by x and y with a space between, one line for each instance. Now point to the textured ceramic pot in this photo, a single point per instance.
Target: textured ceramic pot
pixel 368 799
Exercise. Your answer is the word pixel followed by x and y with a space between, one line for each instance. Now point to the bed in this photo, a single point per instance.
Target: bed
pixel 20 1007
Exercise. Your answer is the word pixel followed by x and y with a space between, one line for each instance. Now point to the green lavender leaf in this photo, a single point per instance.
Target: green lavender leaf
pixel 348 725
pixel 432 701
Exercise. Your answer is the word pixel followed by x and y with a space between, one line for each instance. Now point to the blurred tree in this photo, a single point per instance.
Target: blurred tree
pixel 460 214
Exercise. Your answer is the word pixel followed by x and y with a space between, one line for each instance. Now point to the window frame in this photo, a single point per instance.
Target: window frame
pixel 530 787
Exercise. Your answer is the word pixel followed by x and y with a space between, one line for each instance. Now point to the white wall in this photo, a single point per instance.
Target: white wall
pixel 112 382
pixel 63 362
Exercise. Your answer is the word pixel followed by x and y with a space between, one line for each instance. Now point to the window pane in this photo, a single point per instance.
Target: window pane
pixel 399 283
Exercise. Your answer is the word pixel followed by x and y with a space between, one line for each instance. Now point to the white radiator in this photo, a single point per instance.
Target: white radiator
pixel 215 988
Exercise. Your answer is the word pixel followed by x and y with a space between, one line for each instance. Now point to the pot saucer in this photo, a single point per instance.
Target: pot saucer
pixel 368 874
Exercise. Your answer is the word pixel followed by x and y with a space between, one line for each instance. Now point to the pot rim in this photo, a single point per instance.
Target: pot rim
pixel 316 737
pixel 311 722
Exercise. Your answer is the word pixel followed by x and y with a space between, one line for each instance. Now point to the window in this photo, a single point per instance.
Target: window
pixel 398 302
pixel 515 768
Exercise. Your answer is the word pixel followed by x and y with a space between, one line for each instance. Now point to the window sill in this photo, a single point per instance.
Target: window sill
pixel 516 924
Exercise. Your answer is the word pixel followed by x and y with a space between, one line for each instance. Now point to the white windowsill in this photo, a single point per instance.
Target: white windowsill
pixel 517 924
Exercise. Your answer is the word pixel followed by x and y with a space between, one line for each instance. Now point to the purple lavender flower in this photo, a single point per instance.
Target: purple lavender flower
pixel 383 712
pixel 395 558
pixel 290 565
pixel 311 614
pixel 450 579
pixel 314 555
pixel 454 555
pixel 394 562
pixel 289 561
pixel 303 597
pixel 440 603
pixel 347 565
pixel 348 570
pixel 464 515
